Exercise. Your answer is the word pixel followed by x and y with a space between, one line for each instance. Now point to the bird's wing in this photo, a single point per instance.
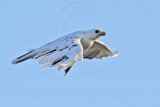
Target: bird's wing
pixel 98 50
pixel 61 53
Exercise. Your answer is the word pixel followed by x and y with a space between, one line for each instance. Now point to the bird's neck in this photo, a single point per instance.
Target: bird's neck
pixel 86 43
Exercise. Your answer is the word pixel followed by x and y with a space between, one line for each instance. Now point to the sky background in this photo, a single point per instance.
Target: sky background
pixel 130 80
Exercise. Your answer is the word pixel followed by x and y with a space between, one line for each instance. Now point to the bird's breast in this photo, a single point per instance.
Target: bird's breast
pixel 86 44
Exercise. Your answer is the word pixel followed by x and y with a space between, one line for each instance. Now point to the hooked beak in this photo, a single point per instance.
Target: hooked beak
pixel 102 33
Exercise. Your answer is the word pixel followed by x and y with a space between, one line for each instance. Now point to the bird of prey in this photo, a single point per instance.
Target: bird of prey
pixel 66 50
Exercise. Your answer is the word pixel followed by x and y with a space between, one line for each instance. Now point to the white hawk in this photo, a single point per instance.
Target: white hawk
pixel 65 51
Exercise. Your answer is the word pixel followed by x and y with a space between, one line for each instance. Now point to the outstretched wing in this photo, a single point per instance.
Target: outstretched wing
pixel 99 50
pixel 61 53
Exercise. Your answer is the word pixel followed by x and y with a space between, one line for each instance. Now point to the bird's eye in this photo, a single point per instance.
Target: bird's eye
pixel 97 31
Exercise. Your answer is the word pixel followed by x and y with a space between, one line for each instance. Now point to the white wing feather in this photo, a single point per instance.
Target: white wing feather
pixel 99 50
pixel 62 53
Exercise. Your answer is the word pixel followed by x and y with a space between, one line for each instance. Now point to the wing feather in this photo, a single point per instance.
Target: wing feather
pixel 66 53
pixel 99 50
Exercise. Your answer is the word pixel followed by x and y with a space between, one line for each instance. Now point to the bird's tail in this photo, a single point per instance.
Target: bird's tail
pixel 24 57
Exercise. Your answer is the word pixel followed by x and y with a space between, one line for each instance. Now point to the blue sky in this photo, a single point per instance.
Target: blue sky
pixel 129 80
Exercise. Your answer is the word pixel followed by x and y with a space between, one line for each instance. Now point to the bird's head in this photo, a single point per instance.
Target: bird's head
pixel 94 34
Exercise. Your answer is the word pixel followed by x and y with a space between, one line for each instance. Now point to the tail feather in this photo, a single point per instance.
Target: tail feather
pixel 23 57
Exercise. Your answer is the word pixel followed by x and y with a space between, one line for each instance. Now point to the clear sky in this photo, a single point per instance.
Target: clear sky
pixel 130 80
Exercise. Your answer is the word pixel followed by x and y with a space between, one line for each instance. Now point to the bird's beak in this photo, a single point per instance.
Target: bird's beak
pixel 103 33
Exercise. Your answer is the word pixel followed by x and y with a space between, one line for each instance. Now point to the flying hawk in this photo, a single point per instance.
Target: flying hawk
pixel 65 51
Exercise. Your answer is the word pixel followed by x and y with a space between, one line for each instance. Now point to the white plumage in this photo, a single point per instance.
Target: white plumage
pixel 67 50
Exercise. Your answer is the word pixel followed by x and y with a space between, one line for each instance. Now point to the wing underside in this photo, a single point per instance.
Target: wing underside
pixel 99 50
